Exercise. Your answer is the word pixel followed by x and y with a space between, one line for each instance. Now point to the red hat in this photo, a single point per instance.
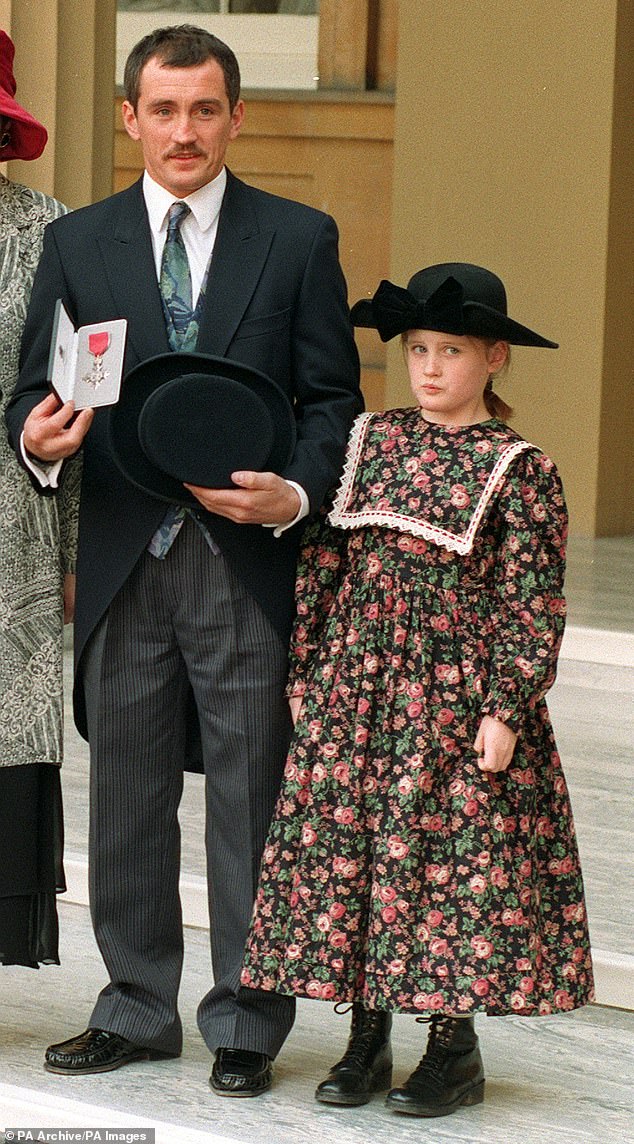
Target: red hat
pixel 27 137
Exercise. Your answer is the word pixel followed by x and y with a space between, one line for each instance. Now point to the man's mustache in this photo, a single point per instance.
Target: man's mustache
pixel 184 152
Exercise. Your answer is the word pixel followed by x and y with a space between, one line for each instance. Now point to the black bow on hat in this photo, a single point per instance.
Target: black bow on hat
pixel 395 309
pixel 452 297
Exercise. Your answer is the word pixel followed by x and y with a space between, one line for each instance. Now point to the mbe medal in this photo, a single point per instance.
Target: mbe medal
pixel 97 345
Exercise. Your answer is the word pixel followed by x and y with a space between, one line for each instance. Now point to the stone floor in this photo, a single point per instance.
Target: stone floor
pixel 568 1079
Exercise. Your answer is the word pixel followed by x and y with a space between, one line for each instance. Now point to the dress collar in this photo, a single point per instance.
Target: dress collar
pixel 433 481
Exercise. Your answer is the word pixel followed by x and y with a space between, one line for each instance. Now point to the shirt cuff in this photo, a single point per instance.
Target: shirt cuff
pixel 47 474
pixel 304 509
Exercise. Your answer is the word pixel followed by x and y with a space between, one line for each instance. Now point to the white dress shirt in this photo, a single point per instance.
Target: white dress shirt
pixel 199 228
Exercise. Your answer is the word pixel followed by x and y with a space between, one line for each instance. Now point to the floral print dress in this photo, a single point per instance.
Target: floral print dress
pixel 396 873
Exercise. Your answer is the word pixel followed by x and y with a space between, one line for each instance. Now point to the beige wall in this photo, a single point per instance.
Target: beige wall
pixel 511 150
pixel 616 440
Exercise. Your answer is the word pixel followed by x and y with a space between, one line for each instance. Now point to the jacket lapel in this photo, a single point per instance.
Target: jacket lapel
pixel 131 276
pixel 240 251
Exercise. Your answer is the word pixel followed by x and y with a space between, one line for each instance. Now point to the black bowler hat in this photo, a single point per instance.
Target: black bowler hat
pixel 452 297
pixel 197 418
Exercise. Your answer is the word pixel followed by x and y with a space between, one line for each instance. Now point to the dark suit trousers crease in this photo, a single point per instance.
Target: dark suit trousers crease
pixel 185 617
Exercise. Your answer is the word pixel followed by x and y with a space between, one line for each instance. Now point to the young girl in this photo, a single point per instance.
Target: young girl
pixel 423 857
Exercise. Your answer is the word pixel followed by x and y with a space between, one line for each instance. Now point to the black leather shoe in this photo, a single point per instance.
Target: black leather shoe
pixel 450 1075
pixel 237 1072
pixel 97 1051
pixel 366 1066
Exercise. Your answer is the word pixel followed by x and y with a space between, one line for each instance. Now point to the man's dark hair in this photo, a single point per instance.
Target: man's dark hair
pixel 183 46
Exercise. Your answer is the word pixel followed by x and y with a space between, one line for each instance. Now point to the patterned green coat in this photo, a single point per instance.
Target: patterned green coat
pixel 37 534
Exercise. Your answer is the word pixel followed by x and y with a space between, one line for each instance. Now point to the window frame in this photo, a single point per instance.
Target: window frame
pixel 278 52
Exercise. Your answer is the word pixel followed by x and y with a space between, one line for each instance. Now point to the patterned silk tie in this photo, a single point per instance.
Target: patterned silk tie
pixel 175 285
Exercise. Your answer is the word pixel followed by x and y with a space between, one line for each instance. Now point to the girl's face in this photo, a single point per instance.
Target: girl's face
pixel 448 373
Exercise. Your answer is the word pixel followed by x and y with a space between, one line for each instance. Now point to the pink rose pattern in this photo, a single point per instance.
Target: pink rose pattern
pixel 395 873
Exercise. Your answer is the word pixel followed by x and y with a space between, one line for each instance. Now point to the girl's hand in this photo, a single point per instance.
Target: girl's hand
pixel 295 704
pixel 495 743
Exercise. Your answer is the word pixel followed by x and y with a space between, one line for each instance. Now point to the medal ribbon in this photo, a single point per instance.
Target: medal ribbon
pixel 98 343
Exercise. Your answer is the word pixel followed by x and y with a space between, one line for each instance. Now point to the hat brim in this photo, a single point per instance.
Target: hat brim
pixel 195 417
pixel 483 322
pixel 28 135
pixel 480 321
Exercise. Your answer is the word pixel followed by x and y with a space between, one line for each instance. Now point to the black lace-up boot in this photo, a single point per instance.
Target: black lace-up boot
pixel 366 1065
pixel 450 1074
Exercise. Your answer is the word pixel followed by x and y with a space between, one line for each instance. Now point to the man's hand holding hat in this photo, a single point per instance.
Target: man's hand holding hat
pixel 192 427
pixel 262 498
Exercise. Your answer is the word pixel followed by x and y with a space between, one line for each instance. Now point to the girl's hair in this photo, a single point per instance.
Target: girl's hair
pixel 496 406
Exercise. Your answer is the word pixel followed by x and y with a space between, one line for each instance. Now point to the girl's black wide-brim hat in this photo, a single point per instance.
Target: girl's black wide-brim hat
pixel 198 418
pixel 451 297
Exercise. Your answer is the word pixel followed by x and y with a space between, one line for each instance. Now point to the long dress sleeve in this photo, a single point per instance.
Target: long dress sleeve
pixel 319 571
pixel 528 604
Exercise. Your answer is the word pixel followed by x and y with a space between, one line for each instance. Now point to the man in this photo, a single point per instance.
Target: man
pixel 211 607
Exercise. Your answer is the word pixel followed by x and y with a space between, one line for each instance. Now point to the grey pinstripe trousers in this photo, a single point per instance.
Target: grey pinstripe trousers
pixel 183 618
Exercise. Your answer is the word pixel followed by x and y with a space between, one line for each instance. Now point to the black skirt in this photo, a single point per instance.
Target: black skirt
pixel 31 864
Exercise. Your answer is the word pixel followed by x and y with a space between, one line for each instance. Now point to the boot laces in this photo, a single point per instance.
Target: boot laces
pixel 363 1040
pixel 363 1046
pixel 437 1051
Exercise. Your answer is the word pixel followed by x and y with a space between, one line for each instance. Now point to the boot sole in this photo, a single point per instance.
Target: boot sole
pixel 475 1095
pixel 380 1083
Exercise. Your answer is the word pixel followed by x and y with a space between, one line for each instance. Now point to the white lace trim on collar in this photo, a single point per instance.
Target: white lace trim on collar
pixel 342 516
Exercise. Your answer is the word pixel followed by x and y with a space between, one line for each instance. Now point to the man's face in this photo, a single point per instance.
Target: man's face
pixel 184 124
